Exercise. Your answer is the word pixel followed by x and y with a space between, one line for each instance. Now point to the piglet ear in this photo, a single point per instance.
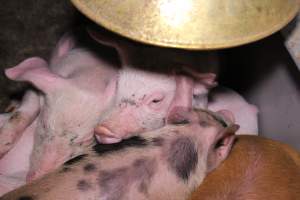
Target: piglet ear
pixel 64 45
pixel 227 116
pixel 123 48
pixel 35 70
pixel 103 37
pixel 222 146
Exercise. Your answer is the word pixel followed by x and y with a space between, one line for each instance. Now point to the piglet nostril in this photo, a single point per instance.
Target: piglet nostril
pixel 106 136
pixel 107 140
pixel 102 130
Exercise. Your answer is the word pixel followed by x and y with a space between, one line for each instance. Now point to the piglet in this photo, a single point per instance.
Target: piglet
pixel 257 168
pixel 14 123
pixel 77 90
pixel 144 97
pixel 74 89
pixel 245 114
pixel 168 163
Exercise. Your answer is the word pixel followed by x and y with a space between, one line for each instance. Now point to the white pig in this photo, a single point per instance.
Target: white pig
pixel 145 97
pixel 76 87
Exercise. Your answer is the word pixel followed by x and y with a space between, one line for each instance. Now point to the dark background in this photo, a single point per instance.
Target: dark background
pixel 262 71
pixel 30 28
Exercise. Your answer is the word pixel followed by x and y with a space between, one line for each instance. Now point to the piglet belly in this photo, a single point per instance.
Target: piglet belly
pixel 16 162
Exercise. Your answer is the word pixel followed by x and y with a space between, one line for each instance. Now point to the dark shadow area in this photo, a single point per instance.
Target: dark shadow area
pixel 245 67
pixel 30 28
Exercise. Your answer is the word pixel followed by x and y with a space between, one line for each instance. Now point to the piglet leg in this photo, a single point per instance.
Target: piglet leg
pixel 203 82
pixel 48 155
pixel 184 93
pixel 13 124
pixel 192 86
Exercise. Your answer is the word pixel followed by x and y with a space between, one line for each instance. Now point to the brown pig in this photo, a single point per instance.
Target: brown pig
pixel 256 169
pixel 168 163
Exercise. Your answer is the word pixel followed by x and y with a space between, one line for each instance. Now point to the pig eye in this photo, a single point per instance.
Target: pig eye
pixel 156 100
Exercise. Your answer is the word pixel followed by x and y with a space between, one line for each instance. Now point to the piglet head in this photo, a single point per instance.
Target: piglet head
pixel 141 104
pixel 210 134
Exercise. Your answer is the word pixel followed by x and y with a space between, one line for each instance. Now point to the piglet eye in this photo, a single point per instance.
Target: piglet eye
pixel 156 100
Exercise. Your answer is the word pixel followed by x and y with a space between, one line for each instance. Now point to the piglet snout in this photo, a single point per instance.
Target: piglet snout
pixel 105 136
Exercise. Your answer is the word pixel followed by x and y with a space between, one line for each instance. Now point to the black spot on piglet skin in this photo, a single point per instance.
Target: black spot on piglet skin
pixel 90 167
pixel 25 198
pixel 183 157
pixel 83 185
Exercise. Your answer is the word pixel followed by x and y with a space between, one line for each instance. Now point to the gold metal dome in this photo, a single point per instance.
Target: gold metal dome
pixel 191 24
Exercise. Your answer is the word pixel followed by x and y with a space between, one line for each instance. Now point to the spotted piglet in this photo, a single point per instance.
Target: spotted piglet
pixel 168 163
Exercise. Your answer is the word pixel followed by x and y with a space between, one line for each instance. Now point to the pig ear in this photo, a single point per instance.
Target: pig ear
pixel 123 48
pixel 222 146
pixel 103 38
pixel 227 116
pixel 64 45
pixel 183 93
pixel 35 70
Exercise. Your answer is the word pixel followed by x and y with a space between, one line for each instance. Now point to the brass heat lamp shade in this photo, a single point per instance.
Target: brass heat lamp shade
pixel 191 24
